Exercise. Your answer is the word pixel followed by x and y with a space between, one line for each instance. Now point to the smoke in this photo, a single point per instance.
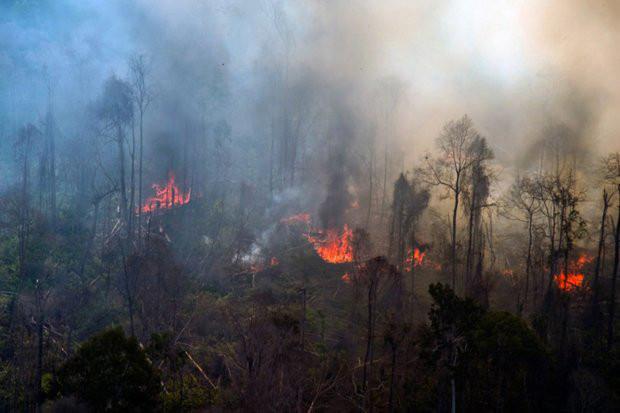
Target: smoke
pixel 336 75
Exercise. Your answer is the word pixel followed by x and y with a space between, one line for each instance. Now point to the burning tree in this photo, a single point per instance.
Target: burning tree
pixel 166 196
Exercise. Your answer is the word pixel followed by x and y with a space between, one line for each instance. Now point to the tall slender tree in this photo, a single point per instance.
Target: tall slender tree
pixel 450 168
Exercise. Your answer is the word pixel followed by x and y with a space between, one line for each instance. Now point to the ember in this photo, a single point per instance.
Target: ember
pixel 166 197
pixel 346 278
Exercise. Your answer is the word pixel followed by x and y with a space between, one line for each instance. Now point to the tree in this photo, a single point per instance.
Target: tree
pixel 596 316
pixel 408 204
pixel 522 205
pixel 613 176
pixel 449 170
pixel 492 359
pixel 115 109
pixel 143 97
pixel 110 372
pixel 476 193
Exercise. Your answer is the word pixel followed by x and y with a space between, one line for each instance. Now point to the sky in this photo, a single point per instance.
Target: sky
pixel 400 67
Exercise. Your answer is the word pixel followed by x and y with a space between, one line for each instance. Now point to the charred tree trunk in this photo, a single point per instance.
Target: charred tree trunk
pixel 528 263
pixel 614 277
pixel 369 340
pixel 392 376
pixel 123 185
pixel 455 210
pixel 140 158
pixel 91 240
pixel 132 183
pixel 38 393
pixel 596 310
pixel 470 236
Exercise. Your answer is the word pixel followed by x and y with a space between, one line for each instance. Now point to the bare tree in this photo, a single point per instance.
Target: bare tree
pixel 613 176
pixel 522 205
pixel 599 265
pixel 408 204
pixel 476 193
pixel 115 109
pixel 450 168
pixel 143 97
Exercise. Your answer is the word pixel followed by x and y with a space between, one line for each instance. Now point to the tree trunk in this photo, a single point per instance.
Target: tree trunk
pixel 129 293
pixel 140 156
pixel 132 183
pixel 369 334
pixel 91 240
pixel 528 263
pixel 614 277
pixel 392 374
pixel 453 395
pixel 598 265
pixel 457 194
pixel 470 235
pixel 39 364
pixel 370 186
pixel 121 159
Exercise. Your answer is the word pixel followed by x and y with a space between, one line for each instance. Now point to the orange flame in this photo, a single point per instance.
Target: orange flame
pixel 416 258
pixel 166 196
pixel 302 218
pixel 333 247
pixel 574 278
pixel 346 278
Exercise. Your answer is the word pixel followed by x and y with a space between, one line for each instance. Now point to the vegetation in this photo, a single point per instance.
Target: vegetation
pixel 192 223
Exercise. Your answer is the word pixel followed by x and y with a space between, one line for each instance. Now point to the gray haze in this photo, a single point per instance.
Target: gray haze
pixel 358 77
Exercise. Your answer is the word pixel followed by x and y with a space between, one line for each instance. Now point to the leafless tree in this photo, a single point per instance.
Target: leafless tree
pixel 613 177
pixel 523 205
pixel 143 96
pixel 449 170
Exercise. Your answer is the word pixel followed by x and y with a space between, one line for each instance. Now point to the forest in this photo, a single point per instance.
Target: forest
pixel 307 206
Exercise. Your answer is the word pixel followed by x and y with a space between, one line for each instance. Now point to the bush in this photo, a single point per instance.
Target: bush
pixel 110 372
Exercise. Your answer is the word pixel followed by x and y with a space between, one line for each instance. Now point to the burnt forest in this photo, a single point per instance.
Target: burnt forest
pixel 309 206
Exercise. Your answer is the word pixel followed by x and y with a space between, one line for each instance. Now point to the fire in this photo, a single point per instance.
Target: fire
pixel 166 196
pixel 346 278
pixel 569 282
pixel 574 278
pixel 508 273
pixel 301 218
pixel 417 258
pixel 332 246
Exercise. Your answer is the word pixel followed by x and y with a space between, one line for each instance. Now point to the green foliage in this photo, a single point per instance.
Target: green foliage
pixel 494 357
pixel 110 372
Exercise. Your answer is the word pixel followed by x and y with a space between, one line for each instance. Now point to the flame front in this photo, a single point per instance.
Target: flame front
pixel 574 278
pixel 332 246
pixel 166 196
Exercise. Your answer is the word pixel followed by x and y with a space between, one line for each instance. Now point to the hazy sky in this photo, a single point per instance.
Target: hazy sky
pixel 512 65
